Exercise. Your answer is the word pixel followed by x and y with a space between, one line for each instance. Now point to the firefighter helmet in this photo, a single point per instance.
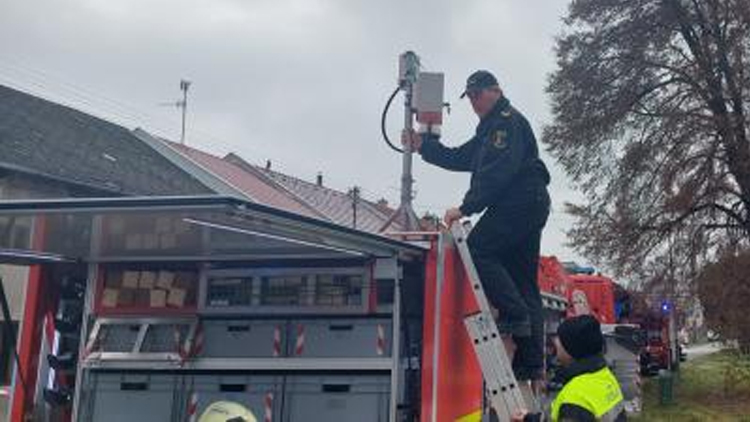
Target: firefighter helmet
pixel 226 411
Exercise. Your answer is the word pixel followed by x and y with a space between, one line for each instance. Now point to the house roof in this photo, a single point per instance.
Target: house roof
pixel 45 139
pixel 253 186
pixel 57 142
pixel 337 205
pixel 288 192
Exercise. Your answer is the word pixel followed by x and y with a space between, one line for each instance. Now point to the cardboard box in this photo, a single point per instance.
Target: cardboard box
pixel 158 298
pixel 142 298
pixel 165 280
pixel 134 241
pixel 177 297
pixel 113 279
pixel 130 279
pixel 126 297
pixel 110 298
pixel 147 280
pixel 186 280
pixel 150 241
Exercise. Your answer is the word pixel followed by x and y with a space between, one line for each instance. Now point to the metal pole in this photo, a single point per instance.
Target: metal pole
pixel 406 159
pixel 674 353
pixel 82 374
pixel 184 85
pixel 410 72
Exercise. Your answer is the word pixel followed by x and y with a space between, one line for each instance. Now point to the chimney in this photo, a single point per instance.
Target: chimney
pixel 319 179
pixel 268 165
pixel 382 205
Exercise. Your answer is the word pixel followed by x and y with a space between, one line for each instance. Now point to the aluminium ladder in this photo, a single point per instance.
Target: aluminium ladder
pixel 502 390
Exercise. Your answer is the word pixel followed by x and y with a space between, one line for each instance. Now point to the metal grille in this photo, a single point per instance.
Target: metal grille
pixel 164 338
pixel 283 290
pixel 118 337
pixel 229 292
pixel 338 290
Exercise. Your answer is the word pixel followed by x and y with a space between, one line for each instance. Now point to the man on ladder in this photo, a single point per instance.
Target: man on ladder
pixel 509 183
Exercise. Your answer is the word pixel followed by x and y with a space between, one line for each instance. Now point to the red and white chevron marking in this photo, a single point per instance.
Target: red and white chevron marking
pixel 192 412
pixel 299 346
pixel 198 340
pixel 277 341
pixel 381 340
pixel 182 349
pixel 268 408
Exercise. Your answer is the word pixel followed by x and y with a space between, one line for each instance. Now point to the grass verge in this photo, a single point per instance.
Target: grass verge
pixel 712 388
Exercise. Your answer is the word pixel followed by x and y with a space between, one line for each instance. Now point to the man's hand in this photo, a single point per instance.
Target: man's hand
pixel 519 415
pixel 411 140
pixel 451 215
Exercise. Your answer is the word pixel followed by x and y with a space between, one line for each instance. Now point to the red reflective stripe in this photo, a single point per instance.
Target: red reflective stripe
pixel 300 345
pixel 277 341
pixel 35 306
pixel 381 340
pixel 268 408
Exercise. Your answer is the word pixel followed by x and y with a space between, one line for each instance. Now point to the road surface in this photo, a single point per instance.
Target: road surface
pixel 698 350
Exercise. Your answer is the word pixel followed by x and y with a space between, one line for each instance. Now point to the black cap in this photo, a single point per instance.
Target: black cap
pixel 581 336
pixel 479 80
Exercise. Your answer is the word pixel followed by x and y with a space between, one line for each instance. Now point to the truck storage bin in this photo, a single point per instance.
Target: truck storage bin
pixel 241 338
pixel 337 398
pixel 117 397
pixel 118 337
pixel 355 338
pixel 258 393
pixel 165 338
pixel 229 292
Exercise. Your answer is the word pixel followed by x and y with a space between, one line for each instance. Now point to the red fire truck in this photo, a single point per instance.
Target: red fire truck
pixel 150 309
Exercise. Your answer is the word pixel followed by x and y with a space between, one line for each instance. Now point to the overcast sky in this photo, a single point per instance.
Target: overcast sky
pixel 299 82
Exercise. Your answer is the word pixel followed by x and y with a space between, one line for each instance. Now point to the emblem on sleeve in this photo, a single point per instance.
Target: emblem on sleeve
pixel 500 139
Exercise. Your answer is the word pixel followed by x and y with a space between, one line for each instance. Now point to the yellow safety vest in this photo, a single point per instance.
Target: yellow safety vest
pixel 598 392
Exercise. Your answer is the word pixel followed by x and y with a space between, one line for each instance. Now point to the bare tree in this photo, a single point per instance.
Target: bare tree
pixel 650 103
pixel 724 290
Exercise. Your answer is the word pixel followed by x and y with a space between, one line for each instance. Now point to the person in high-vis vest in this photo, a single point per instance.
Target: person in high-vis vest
pixel 590 391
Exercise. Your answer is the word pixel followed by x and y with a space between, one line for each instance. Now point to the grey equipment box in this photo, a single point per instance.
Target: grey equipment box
pixel 337 398
pixel 117 397
pixel 243 338
pixel 337 338
pixel 165 338
pixel 118 337
pixel 262 394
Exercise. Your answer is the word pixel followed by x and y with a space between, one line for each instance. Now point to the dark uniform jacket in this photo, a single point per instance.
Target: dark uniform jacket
pixel 503 159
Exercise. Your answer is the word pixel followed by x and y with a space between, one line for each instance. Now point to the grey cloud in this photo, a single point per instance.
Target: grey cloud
pixel 301 82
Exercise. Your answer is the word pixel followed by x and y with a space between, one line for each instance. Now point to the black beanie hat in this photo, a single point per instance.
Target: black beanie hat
pixel 581 336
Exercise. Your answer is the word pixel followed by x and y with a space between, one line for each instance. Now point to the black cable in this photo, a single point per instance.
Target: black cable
pixel 10 333
pixel 383 118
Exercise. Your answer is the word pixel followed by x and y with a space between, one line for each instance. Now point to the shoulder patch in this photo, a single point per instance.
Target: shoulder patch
pixel 500 139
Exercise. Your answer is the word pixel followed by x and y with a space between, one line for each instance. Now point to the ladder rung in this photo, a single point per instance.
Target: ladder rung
pixel 499 378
